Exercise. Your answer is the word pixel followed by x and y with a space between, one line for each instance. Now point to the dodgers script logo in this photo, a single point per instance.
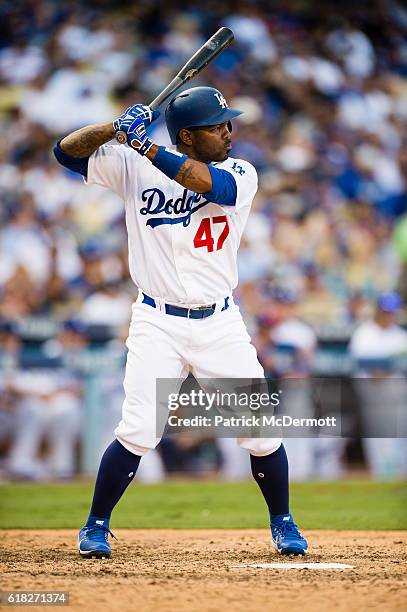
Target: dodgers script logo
pixel 183 206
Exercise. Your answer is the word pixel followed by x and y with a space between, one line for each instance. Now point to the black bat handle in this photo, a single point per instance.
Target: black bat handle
pixel 167 92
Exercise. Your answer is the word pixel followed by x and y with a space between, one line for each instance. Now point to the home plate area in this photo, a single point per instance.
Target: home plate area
pixel 212 570
pixel 297 566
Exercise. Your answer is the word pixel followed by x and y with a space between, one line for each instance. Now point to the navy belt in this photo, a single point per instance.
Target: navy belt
pixel 189 313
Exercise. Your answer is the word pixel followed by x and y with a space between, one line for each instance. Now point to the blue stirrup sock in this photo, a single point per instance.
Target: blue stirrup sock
pixel 116 471
pixel 271 474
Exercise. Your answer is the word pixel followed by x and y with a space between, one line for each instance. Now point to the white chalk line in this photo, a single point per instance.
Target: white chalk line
pixel 290 566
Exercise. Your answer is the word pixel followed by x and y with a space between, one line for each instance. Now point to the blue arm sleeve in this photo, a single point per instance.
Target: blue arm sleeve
pixel 76 164
pixel 224 189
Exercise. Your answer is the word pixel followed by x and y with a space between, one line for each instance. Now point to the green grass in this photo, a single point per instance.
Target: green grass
pixel 195 504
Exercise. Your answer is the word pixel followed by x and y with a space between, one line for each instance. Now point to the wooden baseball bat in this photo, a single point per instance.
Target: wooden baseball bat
pixel 206 54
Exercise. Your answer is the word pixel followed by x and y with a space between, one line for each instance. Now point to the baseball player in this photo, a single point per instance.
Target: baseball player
pixel 381 386
pixel 186 207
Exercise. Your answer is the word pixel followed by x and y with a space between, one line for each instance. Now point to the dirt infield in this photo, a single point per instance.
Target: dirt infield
pixel 180 570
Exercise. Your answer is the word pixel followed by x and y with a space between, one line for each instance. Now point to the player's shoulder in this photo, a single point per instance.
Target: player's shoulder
pixel 364 334
pixel 366 326
pixel 238 167
pixel 297 331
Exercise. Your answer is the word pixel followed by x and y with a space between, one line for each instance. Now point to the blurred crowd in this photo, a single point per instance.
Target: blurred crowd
pixel 324 95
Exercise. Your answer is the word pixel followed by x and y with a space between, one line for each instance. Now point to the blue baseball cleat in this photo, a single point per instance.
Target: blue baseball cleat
pixel 286 537
pixel 93 541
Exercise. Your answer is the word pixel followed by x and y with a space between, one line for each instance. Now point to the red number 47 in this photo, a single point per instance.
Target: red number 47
pixel 203 236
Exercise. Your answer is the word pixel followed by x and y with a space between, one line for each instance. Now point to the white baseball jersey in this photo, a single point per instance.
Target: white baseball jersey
pixel 182 247
pixel 370 340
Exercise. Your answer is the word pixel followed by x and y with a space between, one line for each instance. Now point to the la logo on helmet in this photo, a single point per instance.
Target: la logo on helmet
pixel 221 100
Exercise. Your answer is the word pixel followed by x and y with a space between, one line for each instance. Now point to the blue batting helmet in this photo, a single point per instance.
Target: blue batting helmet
pixel 196 107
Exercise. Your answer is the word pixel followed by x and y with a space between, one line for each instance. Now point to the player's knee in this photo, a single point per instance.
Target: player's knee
pixel 64 416
pixel 65 407
pixel 260 447
pixel 135 448
pixel 30 410
pixel 137 442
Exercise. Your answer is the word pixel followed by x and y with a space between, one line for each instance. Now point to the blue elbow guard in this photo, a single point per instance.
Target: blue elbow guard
pixel 76 164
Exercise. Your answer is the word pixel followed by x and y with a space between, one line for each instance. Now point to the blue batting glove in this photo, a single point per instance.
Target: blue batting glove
pixel 137 138
pixel 134 116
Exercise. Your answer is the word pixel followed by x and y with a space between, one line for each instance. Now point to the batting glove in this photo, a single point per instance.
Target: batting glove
pixel 131 127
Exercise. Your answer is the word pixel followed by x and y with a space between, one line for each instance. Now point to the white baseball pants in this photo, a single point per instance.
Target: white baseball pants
pixel 165 346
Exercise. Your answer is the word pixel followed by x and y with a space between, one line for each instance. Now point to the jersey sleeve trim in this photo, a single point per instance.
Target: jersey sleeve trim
pixel 76 164
pixel 224 188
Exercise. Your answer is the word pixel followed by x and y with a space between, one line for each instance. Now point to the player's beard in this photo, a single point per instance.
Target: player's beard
pixel 204 155
pixel 224 154
pixel 224 157
pixel 219 156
